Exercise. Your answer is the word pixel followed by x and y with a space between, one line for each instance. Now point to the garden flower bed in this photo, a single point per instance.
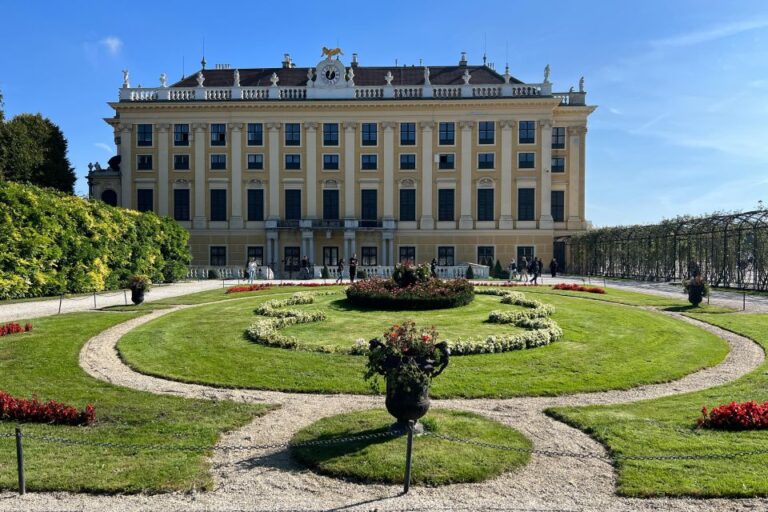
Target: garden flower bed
pixel 248 288
pixel 736 416
pixel 52 412
pixel 14 328
pixel 432 294
pixel 578 288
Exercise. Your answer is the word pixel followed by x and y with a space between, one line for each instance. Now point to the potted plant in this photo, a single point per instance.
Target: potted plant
pixel 139 284
pixel 408 359
pixel 697 289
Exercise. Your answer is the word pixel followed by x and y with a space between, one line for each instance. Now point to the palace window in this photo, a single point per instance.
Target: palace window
pixel 558 205
pixel 218 205
pixel 293 162
pixel 218 255
pixel 369 257
pixel 255 204
pixel 370 135
pixel 484 204
pixel 487 132
pixel 181 135
pixel 255 161
pixel 445 256
pixel 330 204
pixel 447 134
pixel 526 204
pixel 181 204
pixel 485 255
pixel 292 204
pixel 180 162
pixel 527 132
pixel 330 256
pixel 256 252
pixel 525 251
pixel 407 204
pixel 330 134
pixel 292 259
pixel 292 134
pixel 558 164
pixel 368 206
pixel 330 162
pixel 486 160
pixel 446 161
pixel 144 135
pixel 407 161
pixel 445 204
pixel 525 160
pixel 407 254
pixel 218 134
pixel 558 137
pixel 407 134
pixel 255 134
pixel 144 162
pixel 218 162
pixel 144 200
pixel 370 162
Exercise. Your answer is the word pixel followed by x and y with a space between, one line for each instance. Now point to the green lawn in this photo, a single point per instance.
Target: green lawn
pixel 667 426
pixel 605 346
pixel 220 294
pixel 45 362
pixel 435 462
pixel 619 296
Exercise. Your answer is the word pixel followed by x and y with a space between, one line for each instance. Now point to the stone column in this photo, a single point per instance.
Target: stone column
pixel 274 170
pixel 311 156
pixel 126 166
pixel 465 220
pixel 236 164
pixel 427 219
pixel 306 244
pixel 162 169
pixel 545 218
pixel 199 220
pixel 389 169
pixel 505 195
pixel 575 136
pixel 349 170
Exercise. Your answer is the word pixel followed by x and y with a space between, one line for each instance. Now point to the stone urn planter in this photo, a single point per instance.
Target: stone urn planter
pixel 137 295
pixel 408 361
pixel 139 284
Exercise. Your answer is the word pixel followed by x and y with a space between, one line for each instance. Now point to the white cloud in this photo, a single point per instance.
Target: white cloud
pixel 113 44
pixel 711 34
pixel 615 111
pixel 106 147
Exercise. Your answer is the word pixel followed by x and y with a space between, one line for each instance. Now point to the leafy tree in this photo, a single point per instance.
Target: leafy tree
pixel 35 152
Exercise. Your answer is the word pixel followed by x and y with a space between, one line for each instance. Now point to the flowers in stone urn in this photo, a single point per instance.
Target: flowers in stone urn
pixel 139 284
pixel 408 358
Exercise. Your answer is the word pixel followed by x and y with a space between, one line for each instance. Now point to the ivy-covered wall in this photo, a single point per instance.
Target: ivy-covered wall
pixel 53 243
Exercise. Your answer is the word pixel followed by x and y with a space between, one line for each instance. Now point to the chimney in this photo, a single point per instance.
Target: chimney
pixel 463 61
pixel 354 60
pixel 287 61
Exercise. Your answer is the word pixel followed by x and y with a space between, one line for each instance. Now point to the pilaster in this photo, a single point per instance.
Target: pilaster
pixel 505 194
pixel 273 130
pixel 349 170
pixel 126 166
pixel 389 169
pixel 575 136
pixel 236 164
pixel 427 220
pixel 198 220
pixel 465 220
pixel 545 218
pixel 311 165
pixel 162 169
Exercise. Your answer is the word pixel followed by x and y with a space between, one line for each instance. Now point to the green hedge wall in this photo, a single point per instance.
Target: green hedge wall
pixel 53 243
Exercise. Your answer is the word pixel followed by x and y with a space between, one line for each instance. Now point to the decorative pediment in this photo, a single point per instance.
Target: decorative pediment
pixel 407 183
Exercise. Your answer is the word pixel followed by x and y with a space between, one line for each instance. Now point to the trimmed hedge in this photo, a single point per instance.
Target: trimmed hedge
pixel 434 294
pixel 53 243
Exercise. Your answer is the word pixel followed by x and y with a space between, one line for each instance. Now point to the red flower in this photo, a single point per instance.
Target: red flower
pixel 736 416
pixel 55 413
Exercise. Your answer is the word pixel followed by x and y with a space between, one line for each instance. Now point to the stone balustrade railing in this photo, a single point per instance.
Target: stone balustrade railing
pixel 140 94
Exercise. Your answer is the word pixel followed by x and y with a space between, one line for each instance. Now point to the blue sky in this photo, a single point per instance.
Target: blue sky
pixel 681 86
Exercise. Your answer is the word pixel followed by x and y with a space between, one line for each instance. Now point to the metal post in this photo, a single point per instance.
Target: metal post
pixel 94 300
pixel 605 285
pixel 20 461
pixel 61 298
pixel 125 297
pixel 744 300
pixel 408 458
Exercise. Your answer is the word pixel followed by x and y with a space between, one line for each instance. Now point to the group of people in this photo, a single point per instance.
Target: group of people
pixel 352 269
pixel 530 271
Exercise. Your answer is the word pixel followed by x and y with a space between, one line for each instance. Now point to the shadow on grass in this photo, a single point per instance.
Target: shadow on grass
pixel 698 309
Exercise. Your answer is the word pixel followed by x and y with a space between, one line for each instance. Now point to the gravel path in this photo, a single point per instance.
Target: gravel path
pixel 269 480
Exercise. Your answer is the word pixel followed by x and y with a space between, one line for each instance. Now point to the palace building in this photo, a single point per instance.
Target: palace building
pixel 458 163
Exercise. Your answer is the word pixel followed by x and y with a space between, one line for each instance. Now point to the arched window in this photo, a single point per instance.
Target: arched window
pixel 110 197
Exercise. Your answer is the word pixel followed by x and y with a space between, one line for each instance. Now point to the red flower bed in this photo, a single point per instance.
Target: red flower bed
pixel 309 285
pixel 736 416
pixel 509 285
pixel 433 294
pixel 55 413
pixel 248 288
pixel 14 328
pixel 578 288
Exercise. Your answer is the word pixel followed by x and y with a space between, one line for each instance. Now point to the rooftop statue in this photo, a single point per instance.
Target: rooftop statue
pixel 330 52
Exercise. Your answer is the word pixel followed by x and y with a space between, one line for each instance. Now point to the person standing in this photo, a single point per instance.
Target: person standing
pixel 534 269
pixel 512 271
pixel 524 270
pixel 553 267
pixel 433 268
pixel 251 270
pixel 540 267
pixel 353 268
pixel 340 271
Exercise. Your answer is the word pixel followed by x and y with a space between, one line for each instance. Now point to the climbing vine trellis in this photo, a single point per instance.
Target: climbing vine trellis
pixel 731 250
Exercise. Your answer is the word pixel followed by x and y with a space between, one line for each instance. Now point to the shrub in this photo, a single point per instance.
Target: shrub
pixel 14 328
pixel 433 294
pixel 469 274
pixel 361 274
pixel 696 289
pixel 497 271
pixel 406 274
pixel 736 416
pixel 325 274
pixel 54 413
pixel 52 243
pixel 213 274
pixel 578 288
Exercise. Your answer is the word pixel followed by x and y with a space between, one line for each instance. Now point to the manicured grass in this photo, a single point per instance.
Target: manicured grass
pixel 605 346
pixel 619 296
pixel 346 323
pixel 219 294
pixel 45 362
pixel 667 426
pixel 436 462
